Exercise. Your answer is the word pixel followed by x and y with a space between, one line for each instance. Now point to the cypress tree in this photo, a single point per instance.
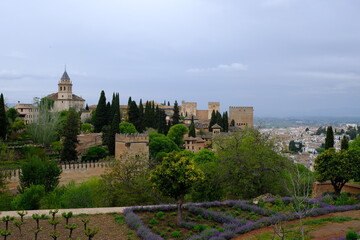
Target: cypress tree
pixel 176 115
pixel 232 123
pixel 71 130
pixel 133 114
pixel 87 107
pixel 115 107
pixel 100 118
pixel 212 120
pixel 329 140
pixel 147 115
pixel 192 132
pixel 225 122
pixel 141 117
pixel 219 120
pixel 162 126
pixel 108 114
pixel 114 128
pixel 3 119
pixel 345 143
pixel 168 103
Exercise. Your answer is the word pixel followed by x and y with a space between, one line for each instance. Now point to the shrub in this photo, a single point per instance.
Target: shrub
pixel 95 153
pixel 175 234
pixel 30 199
pixel 160 215
pixel 351 235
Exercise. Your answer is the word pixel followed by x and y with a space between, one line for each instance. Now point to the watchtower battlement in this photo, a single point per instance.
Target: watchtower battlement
pixel 132 138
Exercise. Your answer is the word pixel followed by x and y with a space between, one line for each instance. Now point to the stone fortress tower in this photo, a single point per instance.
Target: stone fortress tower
pixel 64 98
pixel 243 116
pixel 213 106
pixel 131 145
pixel 188 109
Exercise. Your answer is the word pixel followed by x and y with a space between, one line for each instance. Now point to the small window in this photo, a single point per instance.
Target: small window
pixel 60 88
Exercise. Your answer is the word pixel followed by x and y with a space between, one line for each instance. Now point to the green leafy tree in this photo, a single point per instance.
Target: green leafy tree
pixel 3 119
pixel 192 132
pixel 338 167
pixel 329 140
pixel 344 143
pixel 95 153
pixel 100 114
pixel 87 128
pixel 12 114
pixel 127 184
pixel 38 171
pixel 71 130
pixel 250 165
pixel 211 188
pixel 126 127
pixel 176 115
pixel 175 177
pixel 176 134
pixel 160 144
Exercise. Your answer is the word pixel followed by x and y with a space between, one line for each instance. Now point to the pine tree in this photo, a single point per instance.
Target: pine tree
pixel 71 130
pixel 192 132
pixel 329 140
pixel 100 118
pixel 345 143
pixel 225 122
pixel 3 119
pixel 212 120
pixel 176 115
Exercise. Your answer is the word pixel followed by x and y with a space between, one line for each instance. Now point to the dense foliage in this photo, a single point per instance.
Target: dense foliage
pixel 71 130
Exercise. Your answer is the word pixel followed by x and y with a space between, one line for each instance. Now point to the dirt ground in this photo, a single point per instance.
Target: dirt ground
pixel 108 229
pixel 327 231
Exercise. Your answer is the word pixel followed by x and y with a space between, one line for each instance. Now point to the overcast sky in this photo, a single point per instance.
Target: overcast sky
pixel 283 57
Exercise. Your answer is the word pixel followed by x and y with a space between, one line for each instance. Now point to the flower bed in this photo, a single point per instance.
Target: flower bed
pixel 207 221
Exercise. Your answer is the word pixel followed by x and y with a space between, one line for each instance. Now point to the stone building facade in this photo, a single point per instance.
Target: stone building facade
pixel 28 112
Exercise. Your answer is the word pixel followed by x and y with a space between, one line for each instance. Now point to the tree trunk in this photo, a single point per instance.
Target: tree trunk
pixel 179 204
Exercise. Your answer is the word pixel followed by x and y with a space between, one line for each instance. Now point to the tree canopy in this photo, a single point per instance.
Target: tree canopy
pixel 71 130
pixel 329 140
pixel 338 167
pixel 175 177
pixel 177 132
pixel 126 127
pixel 250 165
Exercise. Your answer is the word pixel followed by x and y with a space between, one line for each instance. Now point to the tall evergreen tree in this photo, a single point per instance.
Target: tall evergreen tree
pixel 176 115
pixel 192 132
pixel 161 116
pixel 225 123
pixel 115 107
pixel 232 123
pixel 141 117
pixel 114 129
pixel 100 118
pixel 219 120
pixel 168 103
pixel 147 115
pixel 71 130
pixel 133 114
pixel 212 120
pixel 108 114
pixel 329 140
pixel 345 143
pixel 3 119
pixel 87 107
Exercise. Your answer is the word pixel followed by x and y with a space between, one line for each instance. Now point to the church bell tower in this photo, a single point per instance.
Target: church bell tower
pixel 65 87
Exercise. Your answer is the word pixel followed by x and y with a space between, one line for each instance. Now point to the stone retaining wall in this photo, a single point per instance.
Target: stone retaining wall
pixel 320 188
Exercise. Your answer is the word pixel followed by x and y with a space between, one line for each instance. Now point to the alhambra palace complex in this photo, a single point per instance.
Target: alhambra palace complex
pixel 138 144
